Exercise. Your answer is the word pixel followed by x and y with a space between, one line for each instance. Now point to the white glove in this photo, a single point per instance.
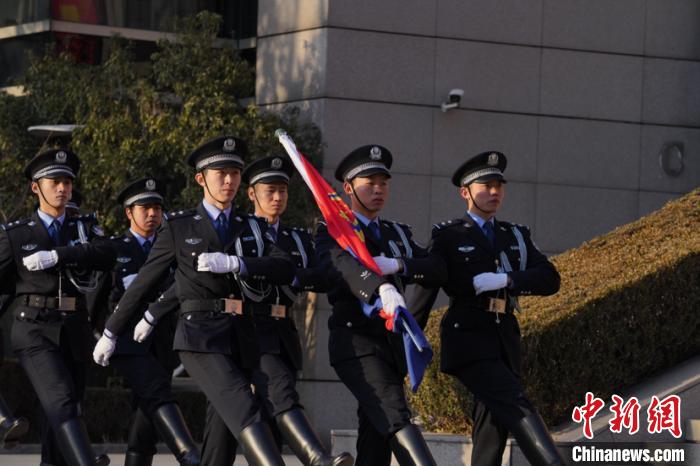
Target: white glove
pixel 40 260
pixel 489 281
pixel 217 262
pixel 126 280
pixel 143 329
pixel 387 265
pixel 391 298
pixel 104 349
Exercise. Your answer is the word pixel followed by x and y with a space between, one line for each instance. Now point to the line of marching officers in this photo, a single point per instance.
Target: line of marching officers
pixel 217 285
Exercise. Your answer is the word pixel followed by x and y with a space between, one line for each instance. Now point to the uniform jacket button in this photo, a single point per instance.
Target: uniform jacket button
pixel 21 314
pixel 456 325
pixel 349 324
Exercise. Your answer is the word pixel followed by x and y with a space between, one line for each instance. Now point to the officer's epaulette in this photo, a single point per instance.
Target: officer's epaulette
pixel 177 214
pixel 504 224
pixel 391 223
pixel 447 224
pixel 303 231
pixel 16 223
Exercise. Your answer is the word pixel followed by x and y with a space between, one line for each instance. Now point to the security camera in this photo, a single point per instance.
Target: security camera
pixel 454 97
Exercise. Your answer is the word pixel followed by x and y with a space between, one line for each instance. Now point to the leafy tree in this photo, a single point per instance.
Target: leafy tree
pixel 143 120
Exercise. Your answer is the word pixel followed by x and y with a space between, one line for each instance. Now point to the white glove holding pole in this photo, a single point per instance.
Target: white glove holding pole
pixel 128 279
pixel 391 298
pixel 217 262
pixel 144 328
pixel 489 281
pixel 40 260
pixel 104 349
pixel 388 265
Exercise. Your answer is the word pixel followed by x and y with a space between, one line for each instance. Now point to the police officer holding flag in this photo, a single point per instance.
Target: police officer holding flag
pixel 490 263
pixel 369 359
pixel 215 336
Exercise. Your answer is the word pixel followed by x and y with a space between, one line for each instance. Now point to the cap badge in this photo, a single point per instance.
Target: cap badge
pixel 229 144
pixel 276 163
pixel 150 185
pixel 493 159
pixel 61 157
pixel 375 153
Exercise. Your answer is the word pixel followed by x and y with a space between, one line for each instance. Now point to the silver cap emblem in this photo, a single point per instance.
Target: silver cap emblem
pixel 375 153
pixel 229 145
pixel 493 159
pixel 276 163
pixel 61 156
pixel 150 185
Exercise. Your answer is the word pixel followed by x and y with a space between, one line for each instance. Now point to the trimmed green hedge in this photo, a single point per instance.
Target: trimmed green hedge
pixel 627 308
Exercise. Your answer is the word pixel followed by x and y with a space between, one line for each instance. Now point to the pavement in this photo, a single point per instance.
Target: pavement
pixel 163 459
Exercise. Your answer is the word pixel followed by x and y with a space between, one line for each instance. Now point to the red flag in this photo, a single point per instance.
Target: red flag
pixel 341 222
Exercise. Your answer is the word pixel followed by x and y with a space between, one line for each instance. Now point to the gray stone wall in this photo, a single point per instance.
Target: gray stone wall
pixel 579 94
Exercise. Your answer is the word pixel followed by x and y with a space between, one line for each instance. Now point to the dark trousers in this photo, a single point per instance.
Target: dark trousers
pixel 499 403
pixel 148 380
pixel 226 386
pixel 383 410
pixel 275 388
pixel 59 382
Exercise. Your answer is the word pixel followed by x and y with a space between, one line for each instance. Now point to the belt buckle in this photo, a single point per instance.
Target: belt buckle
pixel 497 305
pixel 278 311
pixel 233 306
pixel 66 303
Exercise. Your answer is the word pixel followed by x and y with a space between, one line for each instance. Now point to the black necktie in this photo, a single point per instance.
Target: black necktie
pixel 147 246
pixel 221 228
pixel 488 231
pixel 55 232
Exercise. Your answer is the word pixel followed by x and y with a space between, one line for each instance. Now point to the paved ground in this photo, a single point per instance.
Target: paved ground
pixel 118 460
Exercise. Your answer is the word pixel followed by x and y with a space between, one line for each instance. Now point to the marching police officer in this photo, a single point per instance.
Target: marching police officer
pixel 215 335
pixel 281 354
pixel 150 381
pixel 50 333
pixel 11 427
pixel 490 262
pixel 370 360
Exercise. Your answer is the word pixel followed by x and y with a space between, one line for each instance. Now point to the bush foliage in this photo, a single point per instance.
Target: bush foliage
pixel 627 308
pixel 142 119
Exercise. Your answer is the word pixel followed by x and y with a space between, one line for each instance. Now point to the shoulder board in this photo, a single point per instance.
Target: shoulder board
pixel 174 215
pixel 16 223
pixel 447 224
pixel 391 223
pixel 511 224
pixel 302 231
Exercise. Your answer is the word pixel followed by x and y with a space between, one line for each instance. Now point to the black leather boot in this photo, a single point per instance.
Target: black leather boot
pixel 410 449
pixel 134 458
pixel 301 438
pixel 535 442
pixel 171 426
pixel 11 428
pixel 259 446
pixel 75 444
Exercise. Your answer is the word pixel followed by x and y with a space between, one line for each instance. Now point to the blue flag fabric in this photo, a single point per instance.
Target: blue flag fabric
pixel 416 346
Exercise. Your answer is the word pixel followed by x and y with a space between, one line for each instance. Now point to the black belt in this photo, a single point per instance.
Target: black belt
pixel 279 311
pixel 53 303
pixel 222 305
pixel 479 302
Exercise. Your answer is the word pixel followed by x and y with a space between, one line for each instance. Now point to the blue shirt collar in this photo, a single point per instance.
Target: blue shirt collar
pixel 47 220
pixel 141 239
pixel 365 221
pixel 214 212
pixel 479 221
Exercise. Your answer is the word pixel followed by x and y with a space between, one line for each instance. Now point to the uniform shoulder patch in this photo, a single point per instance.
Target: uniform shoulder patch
pixel 177 214
pixel 16 223
pixel 447 224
